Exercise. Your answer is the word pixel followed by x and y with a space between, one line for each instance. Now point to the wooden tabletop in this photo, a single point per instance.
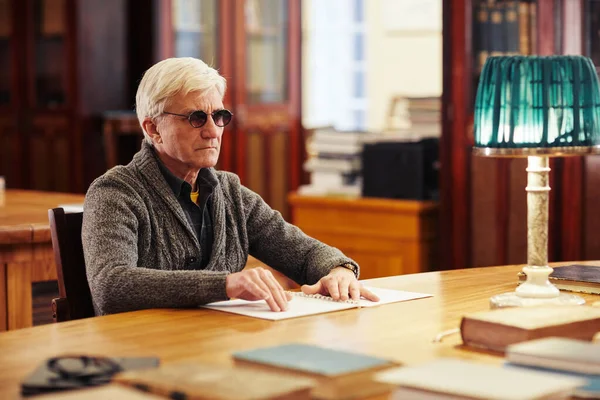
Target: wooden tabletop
pixel 400 331
pixel 24 214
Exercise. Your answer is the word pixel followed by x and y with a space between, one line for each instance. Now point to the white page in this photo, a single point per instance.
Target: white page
pixel 297 307
pixel 302 306
pixel 387 296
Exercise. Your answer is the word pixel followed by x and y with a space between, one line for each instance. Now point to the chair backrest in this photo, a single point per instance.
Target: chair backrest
pixel 75 300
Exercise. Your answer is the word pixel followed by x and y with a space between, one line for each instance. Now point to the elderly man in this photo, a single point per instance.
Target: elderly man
pixel 167 230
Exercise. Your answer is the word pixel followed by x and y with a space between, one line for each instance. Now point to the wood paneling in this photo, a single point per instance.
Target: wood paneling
pixel 26 254
pixel 256 164
pixel 573 168
pixel 483 213
pixel 516 247
pixel 278 176
pixel 455 182
pixel 591 205
pixel 3 299
pixel 10 151
pixel 18 282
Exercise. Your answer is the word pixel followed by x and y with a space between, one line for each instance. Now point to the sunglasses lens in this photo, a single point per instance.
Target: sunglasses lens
pixel 222 117
pixel 198 119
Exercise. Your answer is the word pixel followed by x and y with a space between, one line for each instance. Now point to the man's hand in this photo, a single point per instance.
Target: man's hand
pixel 340 284
pixel 257 284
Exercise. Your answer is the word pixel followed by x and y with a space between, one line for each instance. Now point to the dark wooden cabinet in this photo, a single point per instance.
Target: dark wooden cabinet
pixel 255 44
pixel 63 63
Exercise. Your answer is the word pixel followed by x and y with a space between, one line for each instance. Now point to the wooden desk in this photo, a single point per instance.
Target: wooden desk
pixel 25 250
pixel 385 236
pixel 400 331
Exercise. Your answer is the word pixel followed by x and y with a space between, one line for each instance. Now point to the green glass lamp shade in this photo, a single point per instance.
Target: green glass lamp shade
pixel 532 105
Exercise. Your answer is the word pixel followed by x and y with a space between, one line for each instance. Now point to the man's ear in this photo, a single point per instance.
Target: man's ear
pixel 151 129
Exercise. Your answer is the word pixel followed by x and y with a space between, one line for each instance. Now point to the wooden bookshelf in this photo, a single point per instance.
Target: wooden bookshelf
pixel 56 58
pixel 483 200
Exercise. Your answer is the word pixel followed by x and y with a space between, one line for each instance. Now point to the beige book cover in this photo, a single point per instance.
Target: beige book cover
pixel 205 381
pixel 449 378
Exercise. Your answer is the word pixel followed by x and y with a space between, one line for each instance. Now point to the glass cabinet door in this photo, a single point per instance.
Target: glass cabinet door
pixel 50 52
pixel 6 64
pixel 266 50
pixel 195 24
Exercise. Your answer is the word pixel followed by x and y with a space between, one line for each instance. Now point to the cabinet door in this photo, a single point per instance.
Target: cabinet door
pixel 49 116
pixel 49 149
pixel 8 54
pixel 194 28
pixel 11 93
pixel 188 28
pixel 195 25
pixel 267 47
pixel 49 54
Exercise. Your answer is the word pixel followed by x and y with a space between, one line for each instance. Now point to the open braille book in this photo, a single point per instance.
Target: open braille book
pixel 302 305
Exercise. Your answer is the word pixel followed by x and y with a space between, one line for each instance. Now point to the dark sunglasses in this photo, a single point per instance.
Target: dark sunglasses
pixel 90 371
pixel 198 118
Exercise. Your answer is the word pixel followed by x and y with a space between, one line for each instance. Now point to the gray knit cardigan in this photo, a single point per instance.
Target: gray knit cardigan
pixel 139 247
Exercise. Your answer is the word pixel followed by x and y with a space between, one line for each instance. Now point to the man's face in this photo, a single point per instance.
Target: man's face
pixel 191 148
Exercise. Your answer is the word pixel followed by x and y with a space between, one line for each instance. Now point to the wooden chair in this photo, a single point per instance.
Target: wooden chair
pixel 116 124
pixel 75 301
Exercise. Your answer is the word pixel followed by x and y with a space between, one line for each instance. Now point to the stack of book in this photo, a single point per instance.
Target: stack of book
pixel 562 356
pixel 415 118
pixel 334 162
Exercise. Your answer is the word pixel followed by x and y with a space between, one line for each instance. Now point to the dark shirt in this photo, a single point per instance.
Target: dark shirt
pixel 198 215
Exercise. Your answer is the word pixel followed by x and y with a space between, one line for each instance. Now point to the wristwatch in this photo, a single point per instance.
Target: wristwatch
pixel 351 267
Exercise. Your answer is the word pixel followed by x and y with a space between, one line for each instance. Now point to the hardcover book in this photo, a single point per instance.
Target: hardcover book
pixel 557 353
pixel 494 330
pixel 459 379
pixel 313 360
pixel 215 382
pixel 574 278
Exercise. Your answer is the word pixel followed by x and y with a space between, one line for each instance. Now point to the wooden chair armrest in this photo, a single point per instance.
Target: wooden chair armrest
pixel 60 310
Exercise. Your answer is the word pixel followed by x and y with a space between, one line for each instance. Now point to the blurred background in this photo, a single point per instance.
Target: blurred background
pixel 351 115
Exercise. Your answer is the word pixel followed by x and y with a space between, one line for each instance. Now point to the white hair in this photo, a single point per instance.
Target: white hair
pixel 170 77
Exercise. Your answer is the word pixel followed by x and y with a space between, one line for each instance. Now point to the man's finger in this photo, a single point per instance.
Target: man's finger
pixel 256 292
pixel 277 290
pixel 270 299
pixel 354 290
pixel 367 294
pixel 312 289
pixel 332 288
pixel 343 289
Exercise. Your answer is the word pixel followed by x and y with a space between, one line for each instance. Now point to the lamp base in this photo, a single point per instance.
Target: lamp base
pixel 512 299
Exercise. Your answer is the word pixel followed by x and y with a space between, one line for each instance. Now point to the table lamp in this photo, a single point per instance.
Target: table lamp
pixel 537 107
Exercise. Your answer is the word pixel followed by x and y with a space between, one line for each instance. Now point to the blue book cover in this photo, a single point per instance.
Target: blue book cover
pixel 313 359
